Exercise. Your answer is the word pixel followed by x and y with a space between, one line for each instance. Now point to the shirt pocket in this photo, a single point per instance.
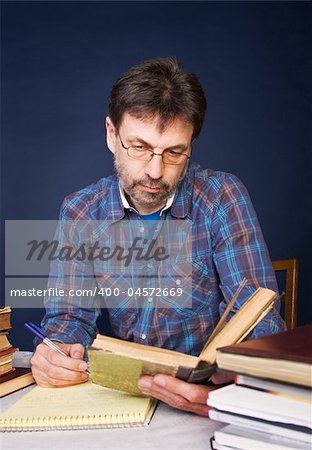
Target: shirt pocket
pixel 183 291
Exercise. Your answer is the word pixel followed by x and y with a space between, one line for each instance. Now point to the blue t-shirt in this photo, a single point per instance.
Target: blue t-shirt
pixel 151 221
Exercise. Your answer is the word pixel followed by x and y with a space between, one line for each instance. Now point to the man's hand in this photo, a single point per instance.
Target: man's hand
pixel 51 369
pixel 180 394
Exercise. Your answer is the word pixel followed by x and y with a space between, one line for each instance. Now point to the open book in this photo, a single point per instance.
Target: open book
pixel 118 364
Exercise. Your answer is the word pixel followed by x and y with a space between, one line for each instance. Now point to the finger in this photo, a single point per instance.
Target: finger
pixel 59 360
pixel 177 401
pixel 46 373
pixel 42 379
pixel 75 351
pixel 195 393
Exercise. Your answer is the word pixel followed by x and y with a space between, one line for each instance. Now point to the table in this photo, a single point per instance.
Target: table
pixel 169 429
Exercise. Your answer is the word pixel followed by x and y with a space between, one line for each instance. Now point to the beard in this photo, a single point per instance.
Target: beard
pixel 133 187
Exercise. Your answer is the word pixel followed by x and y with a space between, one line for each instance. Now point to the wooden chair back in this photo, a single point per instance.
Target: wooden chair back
pixel 289 295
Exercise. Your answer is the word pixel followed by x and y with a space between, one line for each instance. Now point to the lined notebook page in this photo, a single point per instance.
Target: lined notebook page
pixel 81 406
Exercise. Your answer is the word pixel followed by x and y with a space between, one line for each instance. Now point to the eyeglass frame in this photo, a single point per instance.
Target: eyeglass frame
pixel 152 153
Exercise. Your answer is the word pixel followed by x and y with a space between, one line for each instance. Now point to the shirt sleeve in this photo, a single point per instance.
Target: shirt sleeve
pixel 71 317
pixel 239 252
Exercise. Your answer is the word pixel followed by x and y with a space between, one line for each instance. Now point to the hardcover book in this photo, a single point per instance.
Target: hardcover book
pixel 6 360
pixel 17 379
pixel 5 318
pixel 4 341
pixel 285 356
pixel 119 364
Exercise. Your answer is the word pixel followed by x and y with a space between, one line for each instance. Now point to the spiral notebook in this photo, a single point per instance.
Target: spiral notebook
pixel 83 406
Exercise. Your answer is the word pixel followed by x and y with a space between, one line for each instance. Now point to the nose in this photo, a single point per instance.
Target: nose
pixel 155 168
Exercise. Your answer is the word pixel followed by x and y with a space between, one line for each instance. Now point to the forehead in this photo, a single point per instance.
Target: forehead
pixel 177 131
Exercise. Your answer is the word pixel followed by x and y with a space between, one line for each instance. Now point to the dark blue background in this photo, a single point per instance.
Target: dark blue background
pixel 60 59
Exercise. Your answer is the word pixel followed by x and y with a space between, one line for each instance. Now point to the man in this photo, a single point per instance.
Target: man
pixel 156 111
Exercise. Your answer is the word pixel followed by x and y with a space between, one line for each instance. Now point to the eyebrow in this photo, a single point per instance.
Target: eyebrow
pixel 182 147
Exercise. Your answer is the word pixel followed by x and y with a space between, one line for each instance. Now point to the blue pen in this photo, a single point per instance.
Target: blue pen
pixel 39 333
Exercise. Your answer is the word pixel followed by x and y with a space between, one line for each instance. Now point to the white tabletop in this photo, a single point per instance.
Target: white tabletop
pixel 169 429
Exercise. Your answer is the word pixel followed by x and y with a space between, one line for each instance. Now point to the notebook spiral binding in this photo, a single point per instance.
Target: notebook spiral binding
pixel 71 422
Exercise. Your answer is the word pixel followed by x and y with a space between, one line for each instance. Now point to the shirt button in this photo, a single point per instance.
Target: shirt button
pixel 178 282
pixel 141 229
pixel 143 336
pixel 150 299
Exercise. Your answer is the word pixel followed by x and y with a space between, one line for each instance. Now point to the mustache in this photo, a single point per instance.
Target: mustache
pixel 150 182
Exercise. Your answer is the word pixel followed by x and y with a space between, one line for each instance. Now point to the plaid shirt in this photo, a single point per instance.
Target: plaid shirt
pixel 229 246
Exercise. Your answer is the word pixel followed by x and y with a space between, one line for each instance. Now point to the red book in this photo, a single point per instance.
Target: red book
pixel 8 351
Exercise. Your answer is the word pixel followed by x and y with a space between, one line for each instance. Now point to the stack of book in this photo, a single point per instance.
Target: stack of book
pixel 6 348
pixel 269 405
pixel 11 379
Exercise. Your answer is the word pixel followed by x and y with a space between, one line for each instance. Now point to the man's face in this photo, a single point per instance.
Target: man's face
pixel 149 184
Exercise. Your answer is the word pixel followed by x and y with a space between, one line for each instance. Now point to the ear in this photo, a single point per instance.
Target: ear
pixel 111 135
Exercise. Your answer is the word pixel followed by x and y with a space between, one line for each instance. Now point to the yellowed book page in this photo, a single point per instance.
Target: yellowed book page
pixel 79 405
pixel 144 352
pixel 241 323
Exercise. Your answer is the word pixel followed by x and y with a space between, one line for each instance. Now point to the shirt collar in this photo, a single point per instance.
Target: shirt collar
pixel 182 203
pixel 126 204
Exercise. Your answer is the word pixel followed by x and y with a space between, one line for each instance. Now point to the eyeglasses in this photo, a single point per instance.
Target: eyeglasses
pixel 144 153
